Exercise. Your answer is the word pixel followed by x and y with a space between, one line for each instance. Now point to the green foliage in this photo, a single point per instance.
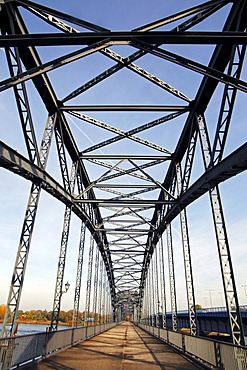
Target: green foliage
pixel 44 316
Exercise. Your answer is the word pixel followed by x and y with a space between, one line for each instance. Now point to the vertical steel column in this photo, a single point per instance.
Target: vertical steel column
pixel 151 286
pixel 139 308
pixel 62 158
pixel 62 255
pixel 21 97
pixel 156 286
pixel 96 280
pixel 150 296
pixel 223 244
pixel 89 278
pixel 188 163
pixel 109 304
pixel 229 95
pixel 142 317
pixel 146 305
pixel 15 68
pixel 26 235
pixel 79 276
pixel 162 283
pixel 104 294
pixel 100 290
pixel 172 278
pixel 106 301
pixel 108 297
pixel 142 291
pixel 148 300
pixel 187 260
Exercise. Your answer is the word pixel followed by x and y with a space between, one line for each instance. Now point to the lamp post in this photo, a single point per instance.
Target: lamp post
pixel 210 295
pixel 54 321
pixel 67 285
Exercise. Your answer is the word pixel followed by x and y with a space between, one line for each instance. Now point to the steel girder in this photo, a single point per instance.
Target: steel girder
pixel 128 227
pixel 116 38
pixel 79 276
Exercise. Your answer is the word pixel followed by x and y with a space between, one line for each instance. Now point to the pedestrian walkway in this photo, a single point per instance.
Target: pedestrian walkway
pixel 124 347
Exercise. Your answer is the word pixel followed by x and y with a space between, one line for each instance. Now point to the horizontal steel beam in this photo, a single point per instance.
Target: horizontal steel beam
pixel 125 231
pixel 155 37
pixel 126 269
pixel 126 221
pixel 126 186
pixel 125 108
pixel 126 205
pixel 125 156
pixel 131 245
pixel 126 251
pixel 124 202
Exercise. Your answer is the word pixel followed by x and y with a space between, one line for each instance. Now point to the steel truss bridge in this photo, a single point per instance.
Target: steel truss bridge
pixel 156 148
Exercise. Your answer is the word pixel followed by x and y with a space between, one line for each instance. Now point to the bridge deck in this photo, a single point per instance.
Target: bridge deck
pixel 123 347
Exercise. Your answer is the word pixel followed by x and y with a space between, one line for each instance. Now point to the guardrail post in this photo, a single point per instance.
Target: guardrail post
pixel 72 337
pixel 218 356
pixel 7 353
pixel 183 343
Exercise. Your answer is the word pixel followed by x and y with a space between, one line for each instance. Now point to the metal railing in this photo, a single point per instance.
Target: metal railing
pixel 17 352
pixel 210 353
pixel 20 351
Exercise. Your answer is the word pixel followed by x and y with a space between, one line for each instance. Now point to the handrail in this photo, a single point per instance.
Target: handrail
pixel 18 351
pixel 208 352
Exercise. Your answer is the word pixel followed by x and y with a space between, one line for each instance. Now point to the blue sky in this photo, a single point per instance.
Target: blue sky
pixel 40 276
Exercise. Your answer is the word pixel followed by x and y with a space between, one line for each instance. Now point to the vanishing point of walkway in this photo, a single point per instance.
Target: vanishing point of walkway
pixel 124 347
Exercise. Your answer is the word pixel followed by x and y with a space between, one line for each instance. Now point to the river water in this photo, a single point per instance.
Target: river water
pixel 33 328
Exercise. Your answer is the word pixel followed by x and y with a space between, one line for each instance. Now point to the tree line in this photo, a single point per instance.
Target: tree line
pixel 44 316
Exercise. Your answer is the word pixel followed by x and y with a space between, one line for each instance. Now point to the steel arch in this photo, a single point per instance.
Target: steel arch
pixel 127 226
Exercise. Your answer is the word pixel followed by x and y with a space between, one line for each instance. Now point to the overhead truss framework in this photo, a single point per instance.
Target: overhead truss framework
pixel 137 174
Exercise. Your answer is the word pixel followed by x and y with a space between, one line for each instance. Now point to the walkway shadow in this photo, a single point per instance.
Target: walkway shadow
pixel 50 364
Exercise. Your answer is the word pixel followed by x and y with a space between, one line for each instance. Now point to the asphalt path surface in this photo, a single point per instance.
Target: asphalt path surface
pixel 124 347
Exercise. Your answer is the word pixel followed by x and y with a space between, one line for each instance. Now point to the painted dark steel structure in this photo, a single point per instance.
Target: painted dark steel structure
pixel 122 201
